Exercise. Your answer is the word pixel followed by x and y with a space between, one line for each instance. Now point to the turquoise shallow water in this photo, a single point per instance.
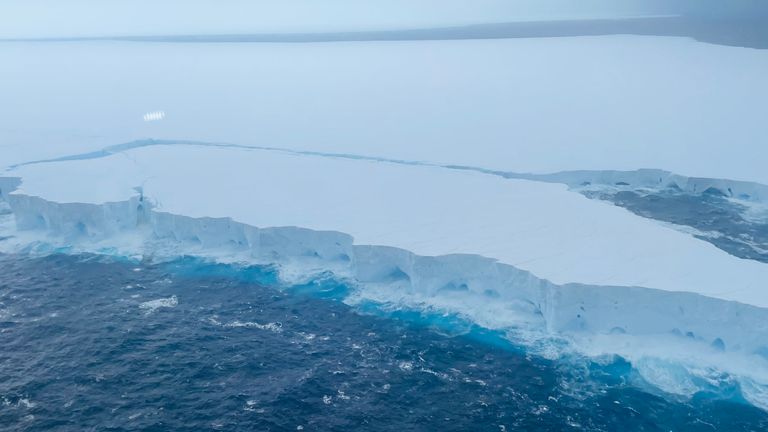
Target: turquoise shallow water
pixel 89 343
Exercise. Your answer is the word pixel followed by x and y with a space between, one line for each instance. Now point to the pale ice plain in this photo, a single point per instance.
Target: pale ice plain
pixel 341 177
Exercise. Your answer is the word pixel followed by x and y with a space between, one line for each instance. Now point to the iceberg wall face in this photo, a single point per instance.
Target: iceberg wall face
pixel 93 221
pixel 632 310
pixel 483 283
pixel 264 245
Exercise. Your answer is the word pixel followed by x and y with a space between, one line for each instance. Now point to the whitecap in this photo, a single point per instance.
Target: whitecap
pixel 755 393
pixel 307 336
pixel 153 305
pixel 405 365
pixel 669 377
pixel 276 327
pixel 26 403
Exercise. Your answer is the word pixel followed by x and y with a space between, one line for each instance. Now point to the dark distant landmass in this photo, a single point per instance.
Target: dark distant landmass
pixel 750 33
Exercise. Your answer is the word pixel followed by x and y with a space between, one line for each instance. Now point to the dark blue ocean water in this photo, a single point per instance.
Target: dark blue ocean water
pixel 88 343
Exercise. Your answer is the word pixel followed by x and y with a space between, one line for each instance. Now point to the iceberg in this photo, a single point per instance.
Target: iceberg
pixel 529 258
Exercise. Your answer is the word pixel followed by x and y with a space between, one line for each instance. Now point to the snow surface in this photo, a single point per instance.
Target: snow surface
pixel 543 228
pixel 523 105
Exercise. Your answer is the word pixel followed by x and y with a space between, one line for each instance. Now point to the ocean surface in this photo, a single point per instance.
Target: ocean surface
pixel 92 343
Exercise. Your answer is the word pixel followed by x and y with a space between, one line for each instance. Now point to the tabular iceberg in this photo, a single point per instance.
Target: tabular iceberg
pixel 428 175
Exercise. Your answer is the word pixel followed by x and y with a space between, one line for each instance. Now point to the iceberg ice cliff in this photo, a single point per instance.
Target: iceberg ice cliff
pixel 494 250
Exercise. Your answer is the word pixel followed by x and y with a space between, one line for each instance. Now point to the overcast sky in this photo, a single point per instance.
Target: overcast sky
pixel 57 18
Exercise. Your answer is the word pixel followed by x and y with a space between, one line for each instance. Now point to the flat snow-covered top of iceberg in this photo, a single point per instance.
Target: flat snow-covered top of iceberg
pixel 523 105
pixel 556 234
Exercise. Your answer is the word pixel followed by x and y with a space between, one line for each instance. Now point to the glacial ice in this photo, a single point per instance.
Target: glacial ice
pixel 518 222
pixel 502 253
